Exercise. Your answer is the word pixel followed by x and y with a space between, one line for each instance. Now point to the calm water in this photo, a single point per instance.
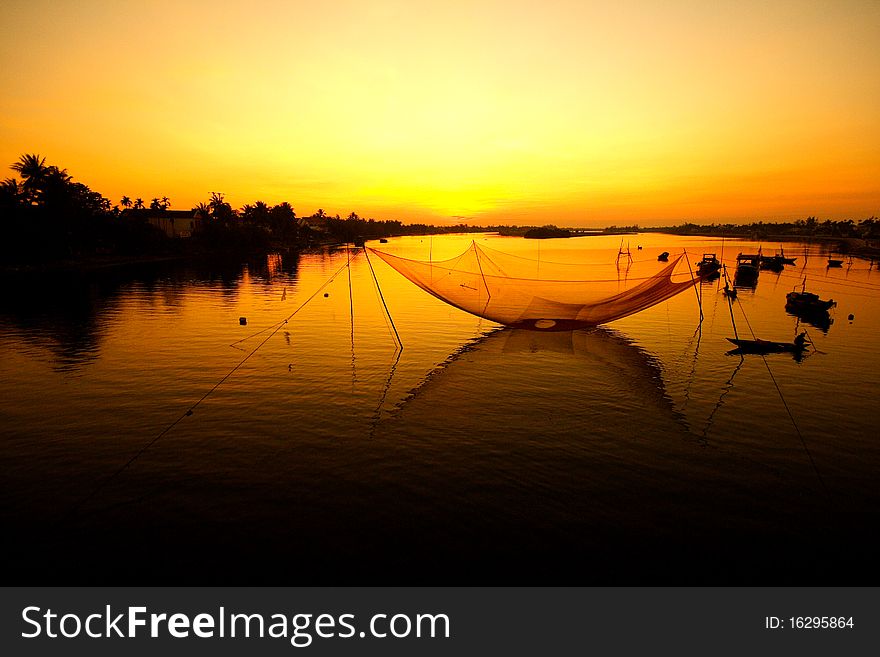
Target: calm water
pixel 636 453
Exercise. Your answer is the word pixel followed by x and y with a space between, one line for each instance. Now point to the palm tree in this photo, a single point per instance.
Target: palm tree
pixel 58 175
pixel 32 168
pixel 220 209
pixel 11 186
pixel 139 204
pixel 166 202
pixel 34 172
pixel 125 202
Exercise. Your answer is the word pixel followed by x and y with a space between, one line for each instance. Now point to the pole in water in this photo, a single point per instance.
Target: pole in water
pixel 730 304
pixel 697 289
pixel 382 299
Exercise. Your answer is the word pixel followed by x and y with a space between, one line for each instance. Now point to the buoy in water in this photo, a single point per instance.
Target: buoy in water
pixel 851 317
pixel 242 321
pixel 326 294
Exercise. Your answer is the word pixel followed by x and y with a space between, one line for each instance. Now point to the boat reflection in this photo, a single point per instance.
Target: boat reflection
pixel 769 347
pixel 820 320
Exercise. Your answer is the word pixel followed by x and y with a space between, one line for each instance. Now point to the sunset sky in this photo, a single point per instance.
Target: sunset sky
pixel 569 112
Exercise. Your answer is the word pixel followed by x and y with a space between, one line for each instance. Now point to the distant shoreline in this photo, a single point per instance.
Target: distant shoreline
pixel 854 246
pixel 850 246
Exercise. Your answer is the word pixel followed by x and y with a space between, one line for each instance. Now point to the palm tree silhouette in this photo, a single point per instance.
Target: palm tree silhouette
pixel 125 202
pixel 12 187
pixel 139 204
pixel 34 172
pixel 32 168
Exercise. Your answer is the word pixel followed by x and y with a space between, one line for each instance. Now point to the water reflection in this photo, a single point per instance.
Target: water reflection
pixel 64 314
pixel 69 312
pixel 818 319
pixel 728 386
pixel 566 371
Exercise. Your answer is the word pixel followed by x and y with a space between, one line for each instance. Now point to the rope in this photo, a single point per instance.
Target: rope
pixel 730 303
pixel 480 266
pixel 794 424
pixel 382 298
pixel 697 291
pixel 284 321
pixel 189 411
pixel 350 296
pixel 351 315
pixel 788 410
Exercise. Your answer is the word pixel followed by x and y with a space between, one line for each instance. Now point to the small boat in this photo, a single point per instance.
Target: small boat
pixel 758 346
pixel 807 303
pixel 708 266
pixel 663 257
pixel 382 240
pixel 780 257
pixel 747 270
pixel 773 263
pixel 835 263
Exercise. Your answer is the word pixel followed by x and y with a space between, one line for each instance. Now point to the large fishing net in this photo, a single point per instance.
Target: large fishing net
pixel 536 294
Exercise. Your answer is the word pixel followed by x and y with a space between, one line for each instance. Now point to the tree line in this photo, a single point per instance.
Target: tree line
pixel 49 216
pixel 868 229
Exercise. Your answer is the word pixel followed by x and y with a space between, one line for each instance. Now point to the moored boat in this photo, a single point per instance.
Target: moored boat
pixel 747 269
pixel 758 346
pixel 663 257
pixel 708 266
pixel 807 303
pixel 773 263
pixel 835 263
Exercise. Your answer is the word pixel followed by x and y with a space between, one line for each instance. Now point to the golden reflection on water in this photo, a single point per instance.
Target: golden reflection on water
pixel 328 415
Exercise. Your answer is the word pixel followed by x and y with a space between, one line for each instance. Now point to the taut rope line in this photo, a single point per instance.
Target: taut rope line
pixel 382 298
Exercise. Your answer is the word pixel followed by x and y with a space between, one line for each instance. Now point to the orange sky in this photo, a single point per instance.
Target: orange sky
pixel 569 112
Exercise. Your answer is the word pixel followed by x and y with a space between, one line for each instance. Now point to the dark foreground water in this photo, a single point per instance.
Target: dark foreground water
pixel 636 453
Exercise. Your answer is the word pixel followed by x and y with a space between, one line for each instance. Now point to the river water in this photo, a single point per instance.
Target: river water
pixel 639 452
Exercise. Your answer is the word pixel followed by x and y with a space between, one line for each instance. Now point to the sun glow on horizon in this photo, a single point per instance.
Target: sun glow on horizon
pixel 577 113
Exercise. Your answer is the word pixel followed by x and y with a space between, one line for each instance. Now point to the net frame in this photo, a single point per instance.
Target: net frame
pixel 541 295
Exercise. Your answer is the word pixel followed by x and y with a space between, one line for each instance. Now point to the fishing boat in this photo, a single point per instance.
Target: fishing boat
pixel 835 263
pixel 758 346
pixel 663 257
pixel 708 266
pixel 807 303
pixel 382 240
pixel 773 263
pixel 747 269
pixel 778 259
